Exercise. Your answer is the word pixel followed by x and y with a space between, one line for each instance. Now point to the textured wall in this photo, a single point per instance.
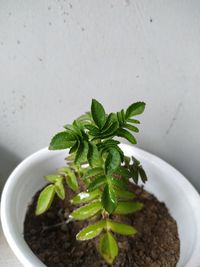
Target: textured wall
pixel 56 55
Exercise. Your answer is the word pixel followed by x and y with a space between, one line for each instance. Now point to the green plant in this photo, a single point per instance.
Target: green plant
pixel 99 174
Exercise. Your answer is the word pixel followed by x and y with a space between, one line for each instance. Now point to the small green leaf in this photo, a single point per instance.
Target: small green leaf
pixel 131 127
pixel 97 182
pixel 133 121
pixel 86 211
pixel 81 154
pixel 91 231
pixel 120 228
pixel 128 207
pixel 110 131
pixel 84 197
pixel 113 161
pixel 93 130
pixel 120 118
pixel 134 173
pixel 72 180
pixel 98 113
pixel 74 147
pixel 53 178
pixel 63 170
pixel 93 156
pixel 108 247
pixel 108 143
pixel 77 128
pixel 142 174
pixel 85 118
pixel 109 199
pixel 60 190
pixel 135 109
pixel 123 172
pixel 119 183
pixel 45 199
pixel 126 161
pixel 62 140
pixel 124 195
pixel 93 172
pixel 109 121
pixel 127 135
pixel 135 161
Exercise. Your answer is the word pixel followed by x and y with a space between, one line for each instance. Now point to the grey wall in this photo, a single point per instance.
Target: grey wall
pixel 57 55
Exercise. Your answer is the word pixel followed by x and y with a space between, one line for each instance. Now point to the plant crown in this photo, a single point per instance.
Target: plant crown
pixel 98 173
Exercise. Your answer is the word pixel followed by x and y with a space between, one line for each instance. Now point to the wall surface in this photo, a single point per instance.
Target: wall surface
pixel 57 55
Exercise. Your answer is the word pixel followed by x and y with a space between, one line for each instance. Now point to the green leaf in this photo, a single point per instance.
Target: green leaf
pixel 81 154
pixel 74 147
pixel 142 174
pixel 93 172
pixel 126 161
pixel 134 173
pixel 70 128
pixel 128 207
pixel 91 231
pixel 120 228
pixel 98 113
pixel 45 199
pixel 84 197
pixel 93 156
pixel 127 135
pixel 108 143
pixel 123 172
pixel 133 121
pixel 86 211
pixel 108 247
pixel 60 190
pixel 111 118
pixel 110 131
pixel 97 182
pixel 77 127
pixel 62 140
pixel 131 127
pixel 135 161
pixel 93 129
pixel 113 161
pixel 124 195
pixel 119 183
pixel 135 109
pixel 85 118
pixel 109 199
pixel 53 178
pixel 64 170
pixel 120 118
pixel 72 180
pixel 123 115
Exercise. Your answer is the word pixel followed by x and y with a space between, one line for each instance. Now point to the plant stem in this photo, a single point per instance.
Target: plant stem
pixel 49 227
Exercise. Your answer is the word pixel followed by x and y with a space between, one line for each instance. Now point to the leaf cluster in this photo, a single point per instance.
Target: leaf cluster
pixel 97 161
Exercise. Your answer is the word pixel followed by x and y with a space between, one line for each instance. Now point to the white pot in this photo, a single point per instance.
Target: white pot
pixel 165 182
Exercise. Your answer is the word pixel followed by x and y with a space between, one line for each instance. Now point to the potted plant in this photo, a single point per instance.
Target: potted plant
pixel 96 199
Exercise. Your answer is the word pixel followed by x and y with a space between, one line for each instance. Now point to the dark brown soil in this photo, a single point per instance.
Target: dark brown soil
pixel 156 245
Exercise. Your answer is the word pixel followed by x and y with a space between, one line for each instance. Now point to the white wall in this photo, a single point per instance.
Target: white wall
pixel 57 55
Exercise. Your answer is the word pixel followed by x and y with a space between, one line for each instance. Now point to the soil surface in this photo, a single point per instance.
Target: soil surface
pixel 155 245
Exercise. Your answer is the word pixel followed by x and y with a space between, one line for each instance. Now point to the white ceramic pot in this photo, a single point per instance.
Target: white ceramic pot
pixel 165 182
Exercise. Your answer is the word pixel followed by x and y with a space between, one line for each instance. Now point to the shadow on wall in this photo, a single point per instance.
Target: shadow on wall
pixel 8 161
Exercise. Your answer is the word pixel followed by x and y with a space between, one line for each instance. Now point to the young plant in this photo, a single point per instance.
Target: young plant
pixel 98 173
